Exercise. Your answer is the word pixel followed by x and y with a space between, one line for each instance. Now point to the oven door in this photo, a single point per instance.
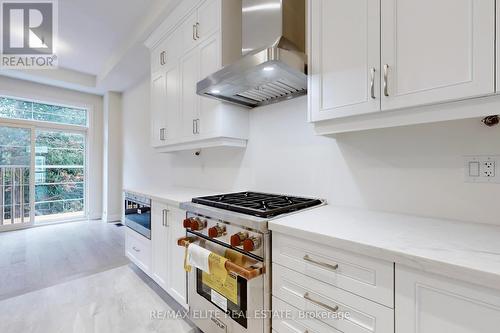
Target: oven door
pixel 235 307
pixel 138 217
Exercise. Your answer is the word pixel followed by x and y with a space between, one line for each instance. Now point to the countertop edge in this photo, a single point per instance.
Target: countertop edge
pixel 438 267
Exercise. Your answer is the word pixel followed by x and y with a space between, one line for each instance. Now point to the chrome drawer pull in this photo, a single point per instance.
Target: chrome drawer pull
pixel 324 264
pixel 136 249
pixel 332 309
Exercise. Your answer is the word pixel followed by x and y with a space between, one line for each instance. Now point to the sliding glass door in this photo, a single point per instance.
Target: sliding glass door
pixel 15 177
pixel 59 175
pixel 45 186
pixel 42 162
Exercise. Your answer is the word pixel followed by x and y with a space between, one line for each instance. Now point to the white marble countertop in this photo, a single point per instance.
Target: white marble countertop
pixel 460 250
pixel 172 196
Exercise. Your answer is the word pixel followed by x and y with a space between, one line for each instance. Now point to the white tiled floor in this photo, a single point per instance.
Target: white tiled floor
pixel 116 300
pixel 74 278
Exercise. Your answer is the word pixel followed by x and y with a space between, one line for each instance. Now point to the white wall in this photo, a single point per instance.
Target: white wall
pixel 112 157
pixel 36 91
pixel 142 167
pixel 412 169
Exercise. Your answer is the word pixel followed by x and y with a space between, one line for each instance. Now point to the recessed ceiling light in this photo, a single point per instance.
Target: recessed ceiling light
pixel 268 69
pixel 215 91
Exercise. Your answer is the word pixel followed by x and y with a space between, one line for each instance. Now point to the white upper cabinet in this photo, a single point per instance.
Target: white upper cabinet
pixel 210 109
pixel 208 19
pixel 188 32
pixel 437 50
pixel 190 68
pixel 370 56
pixel 158 104
pixel 427 303
pixel 208 37
pixel 344 68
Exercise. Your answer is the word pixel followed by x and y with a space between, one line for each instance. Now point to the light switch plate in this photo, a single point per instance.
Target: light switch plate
pixel 482 169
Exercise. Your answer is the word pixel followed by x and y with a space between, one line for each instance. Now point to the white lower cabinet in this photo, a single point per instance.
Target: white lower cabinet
pixel 427 303
pixel 138 250
pixel 177 277
pixel 310 295
pixel 346 292
pixel 294 321
pixel 167 267
pixel 160 243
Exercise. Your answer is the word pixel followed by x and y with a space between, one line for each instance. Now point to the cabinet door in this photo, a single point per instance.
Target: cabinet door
pixel 188 33
pixel 157 109
pixel 344 54
pixel 177 277
pixel 160 246
pixel 210 62
pixel 208 18
pixel 190 69
pixel 428 303
pixel 437 50
pixel 172 102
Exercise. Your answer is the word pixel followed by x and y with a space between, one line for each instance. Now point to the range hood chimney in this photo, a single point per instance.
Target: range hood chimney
pixel 274 64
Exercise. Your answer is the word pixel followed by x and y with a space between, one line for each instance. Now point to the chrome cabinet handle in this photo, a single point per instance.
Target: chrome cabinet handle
pixel 136 249
pixel 372 83
pixel 197 121
pixel 163 58
pixel 324 264
pixel 165 218
pixel 162 134
pixel 197 30
pixel 323 305
pixel 194 31
pixel 194 126
pixel 386 73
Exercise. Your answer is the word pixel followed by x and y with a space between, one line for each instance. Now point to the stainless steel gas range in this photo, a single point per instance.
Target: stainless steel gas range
pixel 235 226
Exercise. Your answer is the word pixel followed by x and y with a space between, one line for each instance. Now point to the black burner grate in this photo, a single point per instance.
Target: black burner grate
pixel 257 204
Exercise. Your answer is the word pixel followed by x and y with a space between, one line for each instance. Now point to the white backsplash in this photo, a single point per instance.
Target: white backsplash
pixel 413 169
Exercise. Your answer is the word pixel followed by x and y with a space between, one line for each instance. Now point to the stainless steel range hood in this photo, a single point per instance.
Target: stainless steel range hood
pixel 274 64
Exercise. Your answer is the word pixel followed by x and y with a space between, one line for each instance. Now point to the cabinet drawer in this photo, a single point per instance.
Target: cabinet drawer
pixel 368 277
pixel 308 294
pixel 138 249
pixel 292 322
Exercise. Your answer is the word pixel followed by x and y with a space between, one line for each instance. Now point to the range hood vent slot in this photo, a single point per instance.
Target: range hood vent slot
pixel 268 92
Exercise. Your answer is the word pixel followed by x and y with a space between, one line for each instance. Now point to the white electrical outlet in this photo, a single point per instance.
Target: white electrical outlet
pixel 482 169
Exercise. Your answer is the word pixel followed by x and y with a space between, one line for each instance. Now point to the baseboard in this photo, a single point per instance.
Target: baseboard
pixel 112 218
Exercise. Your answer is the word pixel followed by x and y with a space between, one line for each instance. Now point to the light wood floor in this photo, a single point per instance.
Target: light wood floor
pixel 37 258
pixel 113 301
pixel 75 278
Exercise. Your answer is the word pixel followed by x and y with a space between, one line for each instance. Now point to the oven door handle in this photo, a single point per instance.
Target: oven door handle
pixel 231 267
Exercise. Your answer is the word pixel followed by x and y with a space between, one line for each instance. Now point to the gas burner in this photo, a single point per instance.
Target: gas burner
pixel 257 204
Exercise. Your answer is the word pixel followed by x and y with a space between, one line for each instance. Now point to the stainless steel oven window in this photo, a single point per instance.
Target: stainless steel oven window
pixel 138 215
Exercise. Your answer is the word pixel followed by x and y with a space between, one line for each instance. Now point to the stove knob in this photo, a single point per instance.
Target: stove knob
pixel 186 223
pixel 251 244
pixel 197 224
pixel 238 238
pixel 216 231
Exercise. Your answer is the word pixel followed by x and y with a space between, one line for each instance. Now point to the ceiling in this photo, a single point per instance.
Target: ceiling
pixel 102 40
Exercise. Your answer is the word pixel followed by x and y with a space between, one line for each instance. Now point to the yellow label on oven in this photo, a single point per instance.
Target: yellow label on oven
pixel 227 287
